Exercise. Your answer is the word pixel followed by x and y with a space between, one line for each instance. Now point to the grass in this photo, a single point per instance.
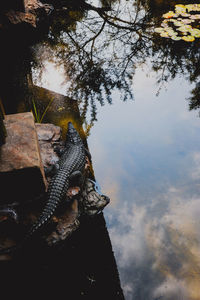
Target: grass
pixel 37 114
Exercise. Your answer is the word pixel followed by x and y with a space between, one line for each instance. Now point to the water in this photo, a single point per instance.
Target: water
pixel 145 151
pixel 146 158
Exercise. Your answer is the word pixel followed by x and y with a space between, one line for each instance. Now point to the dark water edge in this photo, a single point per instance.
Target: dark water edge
pixel 82 267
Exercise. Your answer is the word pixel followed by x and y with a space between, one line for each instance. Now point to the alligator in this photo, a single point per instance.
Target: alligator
pixel 70 166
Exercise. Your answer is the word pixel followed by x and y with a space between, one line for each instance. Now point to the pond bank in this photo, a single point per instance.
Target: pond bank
pixel 29 148
pixel 82 265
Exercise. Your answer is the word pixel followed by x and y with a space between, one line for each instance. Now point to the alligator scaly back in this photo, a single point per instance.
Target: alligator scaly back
pixel 72 161
pixel 57 190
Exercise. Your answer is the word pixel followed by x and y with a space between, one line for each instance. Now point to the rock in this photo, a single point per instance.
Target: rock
pixel 89 202
pixel 17 17
pixel 21 171
pixel 92 201
pixel 20 153
pixel 67 223
pixel 48 132
pixel 34 15
pixel 48 135
pixel 67 220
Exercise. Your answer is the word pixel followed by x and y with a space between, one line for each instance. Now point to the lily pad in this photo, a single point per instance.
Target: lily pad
pixel 195 17
pixel 180 8
pixel 182 19
pixel 184 28
pixel 159 29
pixel 177 23
pixel 188 38
pixel 193 7
pixel 195 32
pixel 164 34
pixel 186 21
pixel 176 38
pixel 168 15
pixel 185 15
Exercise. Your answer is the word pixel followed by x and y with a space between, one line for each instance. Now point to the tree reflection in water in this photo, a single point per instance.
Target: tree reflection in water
pixel 100 47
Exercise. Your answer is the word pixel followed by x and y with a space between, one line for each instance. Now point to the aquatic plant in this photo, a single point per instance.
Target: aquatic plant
pixel 181 24
pixel 36 112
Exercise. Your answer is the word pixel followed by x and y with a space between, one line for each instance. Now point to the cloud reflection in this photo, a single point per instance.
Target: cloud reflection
pixel 154 225
pixel 159 256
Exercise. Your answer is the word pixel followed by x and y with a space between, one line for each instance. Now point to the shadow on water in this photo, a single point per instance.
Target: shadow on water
pixel 82 267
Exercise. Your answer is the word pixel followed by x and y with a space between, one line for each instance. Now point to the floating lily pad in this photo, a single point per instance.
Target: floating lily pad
pixel 177 24
pixel 188 38
pixel 164 25
pixel 195 32
pixel 168 15
pixel 176 38
pixel 192 7
pixel 159 29
pixel 186 21
pixel 195 17
pixel 164 34
pixel 184 28
pixel 180 8
pixel 184 15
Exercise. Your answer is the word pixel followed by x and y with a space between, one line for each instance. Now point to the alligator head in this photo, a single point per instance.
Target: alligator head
pixel 72 135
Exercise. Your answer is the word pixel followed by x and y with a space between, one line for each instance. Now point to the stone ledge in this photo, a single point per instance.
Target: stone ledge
pixel 21 170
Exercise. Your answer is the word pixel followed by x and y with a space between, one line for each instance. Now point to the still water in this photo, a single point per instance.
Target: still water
pixel 146 158
pixel 146 153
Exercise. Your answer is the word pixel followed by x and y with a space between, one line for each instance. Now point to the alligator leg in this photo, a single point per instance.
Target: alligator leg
pixel 76 178
pixel 51 170
pixel 59 150
pixel 75 184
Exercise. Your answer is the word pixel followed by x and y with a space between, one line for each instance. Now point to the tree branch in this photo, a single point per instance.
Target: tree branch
pixel 95 36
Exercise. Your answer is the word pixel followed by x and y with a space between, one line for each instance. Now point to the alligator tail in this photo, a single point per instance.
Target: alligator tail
pixel 49 209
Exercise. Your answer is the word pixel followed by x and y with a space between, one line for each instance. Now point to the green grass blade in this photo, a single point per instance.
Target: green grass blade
pixel 35 111
pixel 51 100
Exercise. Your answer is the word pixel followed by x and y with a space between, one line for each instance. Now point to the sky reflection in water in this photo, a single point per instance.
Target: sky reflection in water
pixel 146 157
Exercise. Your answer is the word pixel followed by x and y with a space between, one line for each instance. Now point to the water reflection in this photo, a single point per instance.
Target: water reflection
pixel 99 50
pixel 150 152
pixel 145 153
pixel 159 257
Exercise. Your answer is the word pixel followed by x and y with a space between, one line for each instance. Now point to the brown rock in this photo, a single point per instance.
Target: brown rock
pixel 17 17
pixel 21 170
pixel 67 223
pixel 48 134
pixel 34 12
